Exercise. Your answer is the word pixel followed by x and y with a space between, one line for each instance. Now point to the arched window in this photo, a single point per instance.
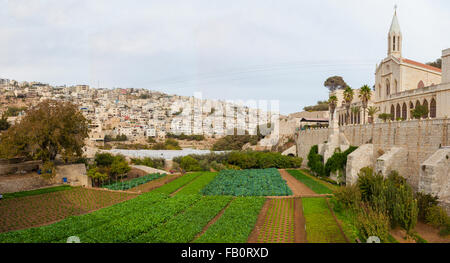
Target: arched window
pixel 433 108
pixel 404 111
pixel 425 104
pixel 420 85
pixel 411 105
pixel 351 117
pixel 417 104
pixel 359 117
pixel 394 44
pixel 379 90
pixel 388 87
pixel 395 86
pixel 397 113
pixel 392 112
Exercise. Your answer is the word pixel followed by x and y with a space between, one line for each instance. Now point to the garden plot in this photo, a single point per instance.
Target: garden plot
pixel 36 210
pixel 321 227
pixel 258 182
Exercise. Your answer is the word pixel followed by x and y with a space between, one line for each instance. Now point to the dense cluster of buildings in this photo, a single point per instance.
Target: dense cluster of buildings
pixel 139 113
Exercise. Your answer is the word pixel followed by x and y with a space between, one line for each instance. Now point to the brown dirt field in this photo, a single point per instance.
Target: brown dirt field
pixel 38 210
pixel 155 183
pixel 430 234
pixel 297 187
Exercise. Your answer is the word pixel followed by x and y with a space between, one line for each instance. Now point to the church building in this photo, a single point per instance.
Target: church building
pixel 402 84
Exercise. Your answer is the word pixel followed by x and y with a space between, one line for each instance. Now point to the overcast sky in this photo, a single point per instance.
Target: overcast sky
pixel 243 49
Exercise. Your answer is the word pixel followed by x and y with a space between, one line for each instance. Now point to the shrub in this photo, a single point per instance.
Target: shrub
pixel 437 217
pixel 370 184
pixel 348 197
pixel 315 161
pixel 104 159
pixel 189 164
pixel 119 167
pixel 158 163
pixel 370 222
pixel 338 161
pixel 424 202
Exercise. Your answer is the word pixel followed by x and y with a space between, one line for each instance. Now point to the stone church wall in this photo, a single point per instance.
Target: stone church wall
pixel 420 138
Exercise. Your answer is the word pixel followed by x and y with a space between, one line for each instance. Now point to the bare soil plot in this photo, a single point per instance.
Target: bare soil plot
pixel 155 184
pixel 38 210
pixel 430 233
pixel 297 187
pixel 280 221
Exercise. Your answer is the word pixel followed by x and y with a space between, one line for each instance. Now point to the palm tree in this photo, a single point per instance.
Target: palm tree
pixel 355 111
pixel 365 94
pixel 371 111
pixel 332 102
pixel 348 98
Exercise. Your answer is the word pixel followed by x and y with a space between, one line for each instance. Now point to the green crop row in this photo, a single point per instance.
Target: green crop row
pixel 314 185
pixel 198 184
pixel 74 225
pixel 177 183
pixel 133 182
pixel 184 227
pixel 37 192
pixel 320 224
pixel 236 224
pixel 140 221
pixel 258 182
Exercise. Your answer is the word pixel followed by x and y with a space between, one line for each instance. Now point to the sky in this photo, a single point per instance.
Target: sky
pixel 232 50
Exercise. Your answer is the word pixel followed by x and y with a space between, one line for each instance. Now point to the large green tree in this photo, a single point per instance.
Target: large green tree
pixel 334 83
pixel 48 129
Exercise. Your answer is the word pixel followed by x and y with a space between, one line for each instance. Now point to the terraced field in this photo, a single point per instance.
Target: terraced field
pixel 177 212
pixel 279 225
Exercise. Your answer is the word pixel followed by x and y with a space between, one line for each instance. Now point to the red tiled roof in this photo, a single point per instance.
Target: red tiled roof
pixel 415 63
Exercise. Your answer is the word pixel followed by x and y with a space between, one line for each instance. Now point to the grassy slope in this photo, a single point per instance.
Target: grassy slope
pixel 320 224
pixel 315 185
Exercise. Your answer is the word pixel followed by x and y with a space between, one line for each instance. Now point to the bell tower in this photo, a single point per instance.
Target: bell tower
pixel 395 38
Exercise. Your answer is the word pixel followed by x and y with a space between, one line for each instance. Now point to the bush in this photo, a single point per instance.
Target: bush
pixel 315 161
pixel 158 163
pixel 348 197
pixel 104 159
pixel 189 164
pixel 437 217
pixel 370 222
pixel 369 184
pixel 119 167
pixel 424 202
pixel 338 161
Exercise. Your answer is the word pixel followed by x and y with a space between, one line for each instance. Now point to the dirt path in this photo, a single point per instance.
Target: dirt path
pixel 300 232
pixel 253 238
pixel 155 184
pixel 297 187
pixel 430 233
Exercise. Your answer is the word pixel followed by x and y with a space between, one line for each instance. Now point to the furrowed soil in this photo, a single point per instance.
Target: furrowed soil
pixel 38 210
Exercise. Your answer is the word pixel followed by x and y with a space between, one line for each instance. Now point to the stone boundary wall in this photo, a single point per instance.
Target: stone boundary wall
pixel 19 168
pixel 420 138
